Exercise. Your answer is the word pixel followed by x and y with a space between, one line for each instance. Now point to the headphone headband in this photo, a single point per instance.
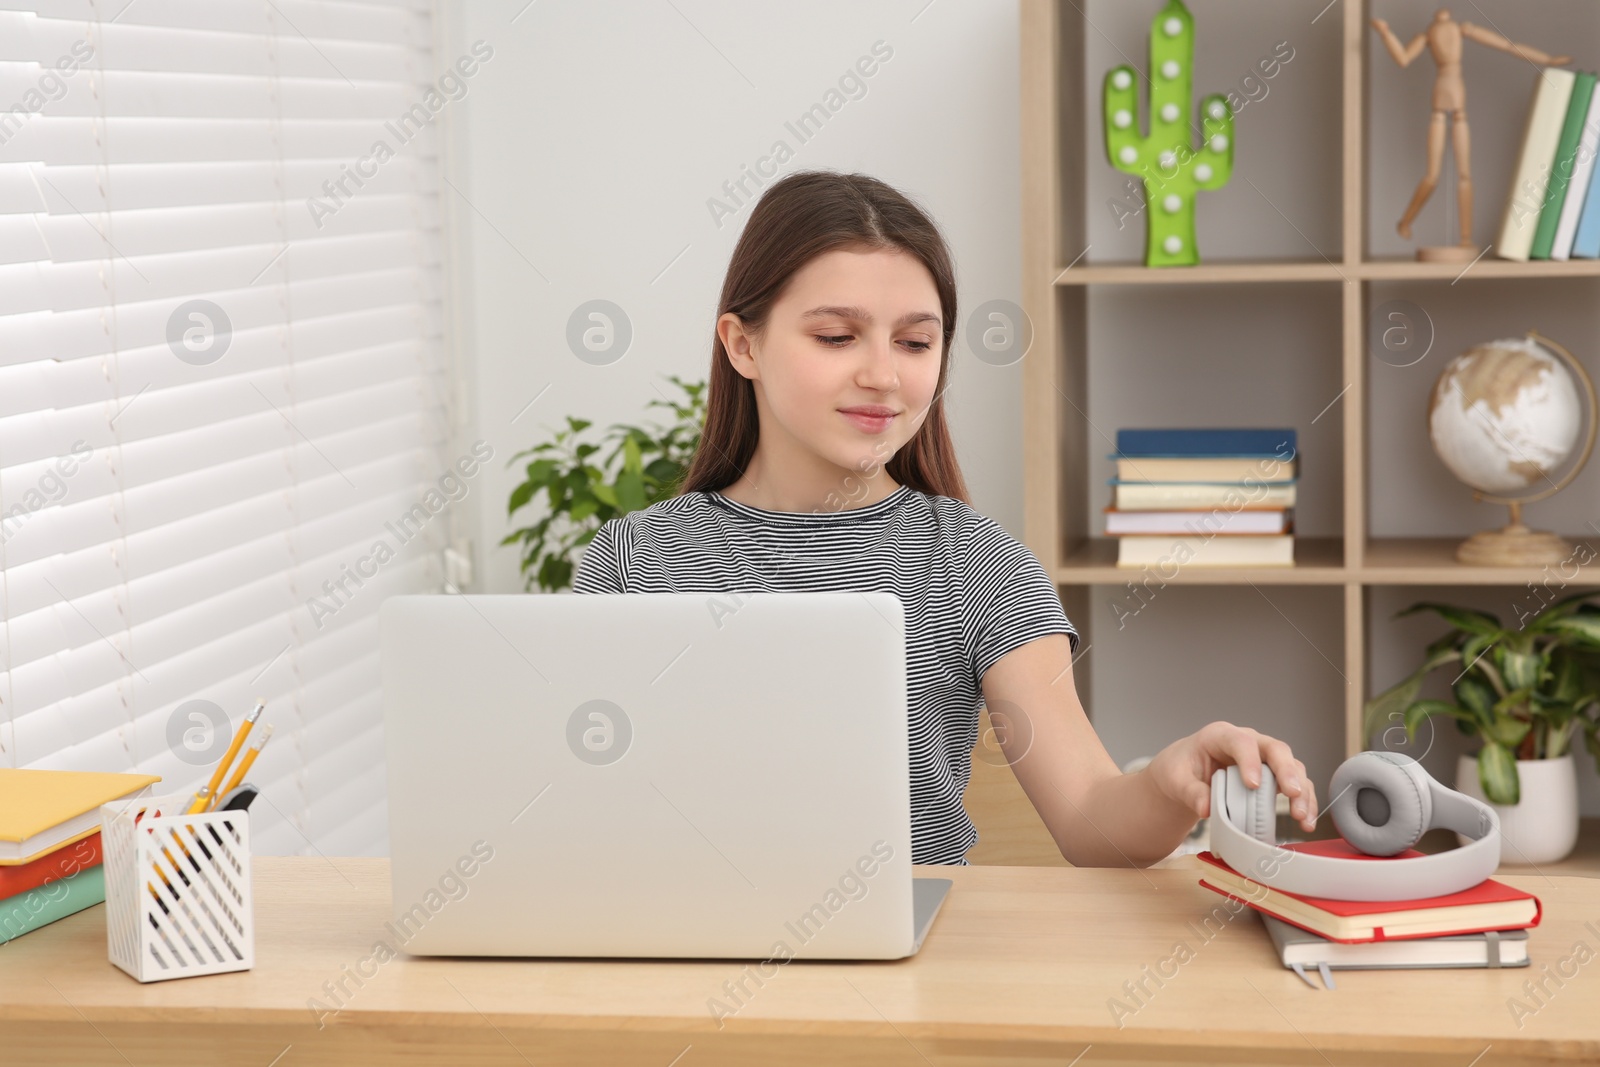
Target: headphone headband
pixel 1367 878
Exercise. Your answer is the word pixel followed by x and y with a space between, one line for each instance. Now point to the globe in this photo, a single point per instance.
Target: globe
pixel 1505 415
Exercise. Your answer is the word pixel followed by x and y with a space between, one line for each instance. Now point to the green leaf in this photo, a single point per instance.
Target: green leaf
pixel 1497 774
pixel 1582 629
pixel 1473 646
pixel 520 496
pixel 578 425
pixel 582 509
pixel 605 493
pixel 1559 610
pixel 630 490
pixel 1476 697
pixel 1520 670
pixel 1507 730
pixel 1567 674
pixel 1424 709
pixel 555 574
pixel 1388 709
pixel 664 471
pixel 1475 622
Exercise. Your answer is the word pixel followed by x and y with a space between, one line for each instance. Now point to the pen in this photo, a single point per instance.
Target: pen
pixel 202 799
pixel 244 765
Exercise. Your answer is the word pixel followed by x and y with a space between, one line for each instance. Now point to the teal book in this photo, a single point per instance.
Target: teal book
pixel 1561 167
pixel 26 912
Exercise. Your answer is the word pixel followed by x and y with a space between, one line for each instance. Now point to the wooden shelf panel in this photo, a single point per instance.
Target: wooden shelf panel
pixel 1256 272
pixel 1318 561
pixel 1487 267
pixel 1205 273
pixel 1432 561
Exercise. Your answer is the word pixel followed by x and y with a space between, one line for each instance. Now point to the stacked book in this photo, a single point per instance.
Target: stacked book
pixel 50 862
pixel 1203 497
pixel 1484 926
pixel 1553 210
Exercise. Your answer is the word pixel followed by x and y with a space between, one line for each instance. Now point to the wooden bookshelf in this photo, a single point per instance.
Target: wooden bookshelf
pixel 1071 284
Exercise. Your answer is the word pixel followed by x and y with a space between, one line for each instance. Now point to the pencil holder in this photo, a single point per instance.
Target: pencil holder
pixel 177 888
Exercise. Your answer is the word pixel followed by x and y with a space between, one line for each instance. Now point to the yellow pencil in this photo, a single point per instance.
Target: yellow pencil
pixel 202 799
pixel 244 765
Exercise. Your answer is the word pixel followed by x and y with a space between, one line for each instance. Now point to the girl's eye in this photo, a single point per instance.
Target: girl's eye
pixel 836 340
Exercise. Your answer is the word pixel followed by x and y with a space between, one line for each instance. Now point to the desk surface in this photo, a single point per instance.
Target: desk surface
pixel 1021 963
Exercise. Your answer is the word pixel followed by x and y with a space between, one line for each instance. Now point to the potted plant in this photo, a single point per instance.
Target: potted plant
pixel 581 495
pixel 1526 693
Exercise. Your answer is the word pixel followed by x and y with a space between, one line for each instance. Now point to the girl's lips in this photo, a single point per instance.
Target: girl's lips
pixel 868 423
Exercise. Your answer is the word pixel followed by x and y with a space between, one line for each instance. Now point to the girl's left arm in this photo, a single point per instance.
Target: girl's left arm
pixel 1099 816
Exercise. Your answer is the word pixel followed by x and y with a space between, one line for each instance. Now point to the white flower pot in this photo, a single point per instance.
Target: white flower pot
pixel 1543 826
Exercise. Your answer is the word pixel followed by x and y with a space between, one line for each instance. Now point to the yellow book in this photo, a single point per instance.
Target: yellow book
pixel 43 810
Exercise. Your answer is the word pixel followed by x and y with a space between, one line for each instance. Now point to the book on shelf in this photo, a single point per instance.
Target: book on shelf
pixel 1581 186
pixel 1530 181
pixel 1562 166
pixel 1236 550
pixel 1298 949
pixel 1489 905
pixel 1262 468
pixel 1250 442
pixel 1586 242
pixel 1179 496
pixel 1200 521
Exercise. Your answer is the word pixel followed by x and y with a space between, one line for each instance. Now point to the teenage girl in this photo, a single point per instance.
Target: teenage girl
pixel 825 463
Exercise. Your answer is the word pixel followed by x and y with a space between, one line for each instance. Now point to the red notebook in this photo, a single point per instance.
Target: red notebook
pixel 1489 905
pixel 69 859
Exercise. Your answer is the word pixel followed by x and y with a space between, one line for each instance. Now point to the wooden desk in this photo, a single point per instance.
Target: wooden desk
pixel 1021 966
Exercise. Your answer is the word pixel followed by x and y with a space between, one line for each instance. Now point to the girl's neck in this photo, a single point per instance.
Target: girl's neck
pixel 846 493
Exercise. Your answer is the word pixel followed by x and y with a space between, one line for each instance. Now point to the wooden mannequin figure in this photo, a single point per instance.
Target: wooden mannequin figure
pixel 1443 39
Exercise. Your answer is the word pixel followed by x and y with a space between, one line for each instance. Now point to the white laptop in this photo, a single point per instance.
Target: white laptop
pixel 651 774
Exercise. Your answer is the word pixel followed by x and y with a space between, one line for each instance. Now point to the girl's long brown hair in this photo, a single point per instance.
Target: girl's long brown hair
pixel 798 218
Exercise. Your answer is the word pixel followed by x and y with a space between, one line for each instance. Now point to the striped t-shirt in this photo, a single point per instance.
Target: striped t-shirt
pixel 971 593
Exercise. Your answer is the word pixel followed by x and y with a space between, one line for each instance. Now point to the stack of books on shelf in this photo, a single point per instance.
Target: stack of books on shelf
pixel 1204 497
pixel 1484 926
pixel 1553 210
pixel 50 862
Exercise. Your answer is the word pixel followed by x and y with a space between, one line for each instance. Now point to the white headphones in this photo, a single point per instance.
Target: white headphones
pixel 1382 803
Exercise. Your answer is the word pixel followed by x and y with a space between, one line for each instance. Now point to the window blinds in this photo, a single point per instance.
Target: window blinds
pixel 221 382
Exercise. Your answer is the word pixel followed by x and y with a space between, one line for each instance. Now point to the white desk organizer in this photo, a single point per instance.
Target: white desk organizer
pixel 198 921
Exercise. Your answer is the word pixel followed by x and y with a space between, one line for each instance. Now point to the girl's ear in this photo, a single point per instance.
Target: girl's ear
pixel 739 345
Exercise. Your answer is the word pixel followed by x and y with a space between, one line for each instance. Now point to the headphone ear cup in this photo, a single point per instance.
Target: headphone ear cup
pixel 1381 802
pixel 1254 811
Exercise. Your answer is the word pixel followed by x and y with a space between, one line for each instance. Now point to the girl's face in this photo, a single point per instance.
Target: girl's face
pixel 848 364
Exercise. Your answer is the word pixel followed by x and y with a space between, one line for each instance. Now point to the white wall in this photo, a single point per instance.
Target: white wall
pixel 587 148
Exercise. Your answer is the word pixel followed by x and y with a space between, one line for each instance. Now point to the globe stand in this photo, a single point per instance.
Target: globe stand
pixel 1515 545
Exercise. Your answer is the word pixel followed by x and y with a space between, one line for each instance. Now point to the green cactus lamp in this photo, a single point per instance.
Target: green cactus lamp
pixel 1173 169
